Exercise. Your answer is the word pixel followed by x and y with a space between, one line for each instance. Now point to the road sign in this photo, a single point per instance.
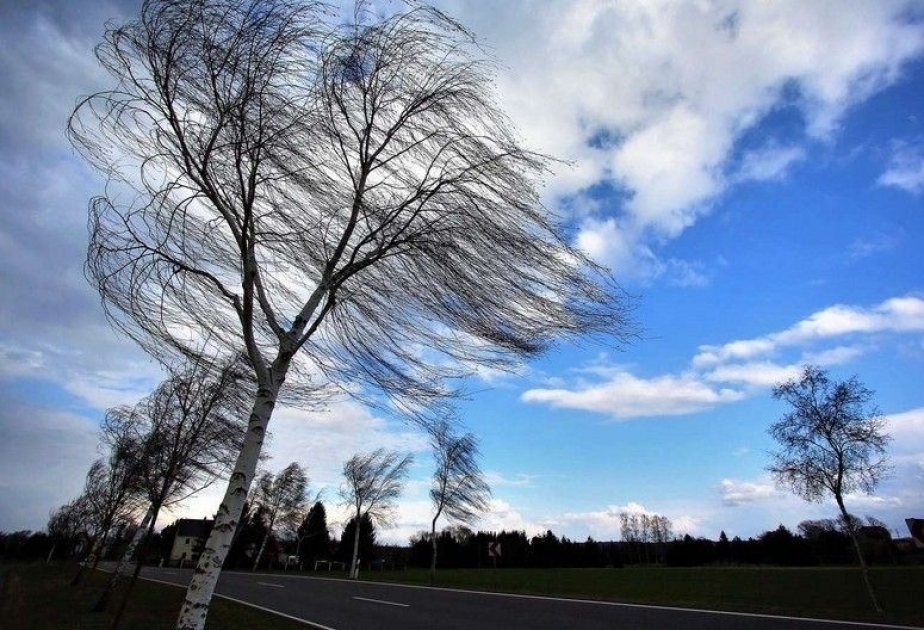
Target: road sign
pixel 916 527
pixel 494 549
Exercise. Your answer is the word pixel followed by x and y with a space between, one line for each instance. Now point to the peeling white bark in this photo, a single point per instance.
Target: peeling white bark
pixel 199 594
pixel 354 567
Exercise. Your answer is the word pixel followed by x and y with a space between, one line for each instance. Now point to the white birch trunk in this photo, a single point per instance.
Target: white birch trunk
pixel 354 569
pixel 433 557
pixel 864 568
pixel 124 561
pixel 139 534
pixel 199 594
pixel 256 562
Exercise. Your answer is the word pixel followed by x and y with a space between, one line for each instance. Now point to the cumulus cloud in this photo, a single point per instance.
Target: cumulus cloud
pixel 334 435
pixel 726 373
pixel 735 492
pixel 896 315
pixel 905 171
pixel 624 395
pixel 657 99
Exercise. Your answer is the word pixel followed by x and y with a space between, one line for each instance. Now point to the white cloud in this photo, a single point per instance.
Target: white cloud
pixel 873 244
pixel 501 515
pixel 323 440
pixel 906 170
pixel 896 315
pixel 604 524
pixel 769 164
pixel 627 396
pixel 496 479
pixel 755 373
pixel 735 492
pixel 657 97
pixel 722 374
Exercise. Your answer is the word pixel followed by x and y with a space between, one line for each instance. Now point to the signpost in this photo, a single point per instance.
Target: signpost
pixel 494 551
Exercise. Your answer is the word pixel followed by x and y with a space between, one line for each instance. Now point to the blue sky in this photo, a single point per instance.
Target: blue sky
pixel 753 172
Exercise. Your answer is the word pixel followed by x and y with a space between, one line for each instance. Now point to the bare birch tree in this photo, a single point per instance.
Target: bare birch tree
pixel 459 489
pixel 372 484
pixel 66 526
pixel 832 443
pixel 343 200
pixel 110 497
pixel 283 498
pixel 187 434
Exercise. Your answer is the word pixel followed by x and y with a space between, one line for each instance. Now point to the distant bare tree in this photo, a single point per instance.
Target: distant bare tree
pixel 373 482
pixel 283 497
pixel 66 526
pixel 110 497
pixel 832 443
pixel 187 434
pixel 459 488
pixel 342 200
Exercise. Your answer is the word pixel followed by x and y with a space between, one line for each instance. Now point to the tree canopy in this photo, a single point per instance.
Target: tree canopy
pixel 341 201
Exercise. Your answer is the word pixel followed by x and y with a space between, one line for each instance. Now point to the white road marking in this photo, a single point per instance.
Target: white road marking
pixel 270 584
pixel 382 601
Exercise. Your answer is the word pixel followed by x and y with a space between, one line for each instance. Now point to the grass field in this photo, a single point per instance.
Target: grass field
pixel 36 596
pixel 40 597
pixel 828 593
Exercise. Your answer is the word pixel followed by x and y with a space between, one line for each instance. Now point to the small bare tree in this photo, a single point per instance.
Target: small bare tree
pixel 187 434
pixel 459 489
pixel 110 497
pixel 372 484
pixel 832 443
pixel 338 200
pixel 66 526
pixel 283 498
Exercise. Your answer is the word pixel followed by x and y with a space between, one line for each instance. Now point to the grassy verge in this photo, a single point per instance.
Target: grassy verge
pixel 828 593
pixel 40 597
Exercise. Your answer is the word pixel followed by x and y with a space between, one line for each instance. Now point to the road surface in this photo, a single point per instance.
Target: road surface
pixel 335 604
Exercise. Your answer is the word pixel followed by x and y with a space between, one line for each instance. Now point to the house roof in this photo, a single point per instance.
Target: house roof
pixel 194 528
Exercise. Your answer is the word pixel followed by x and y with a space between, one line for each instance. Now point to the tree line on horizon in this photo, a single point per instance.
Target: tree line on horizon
pixel 822 542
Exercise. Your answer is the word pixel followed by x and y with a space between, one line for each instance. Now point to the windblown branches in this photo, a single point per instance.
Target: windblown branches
pixel 188 432
pixel 350 190
pixel 373 482
pixel 832 441
pixel 282 498
pixel 459 489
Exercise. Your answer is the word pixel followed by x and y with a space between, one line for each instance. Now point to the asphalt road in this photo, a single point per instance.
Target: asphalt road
pixel 344 605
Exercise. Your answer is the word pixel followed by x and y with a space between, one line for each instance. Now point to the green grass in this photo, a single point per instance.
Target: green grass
pixel 828 593
pixel 40 597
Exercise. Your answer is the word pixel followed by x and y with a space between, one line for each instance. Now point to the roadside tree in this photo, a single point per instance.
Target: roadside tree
pixel 373 482
pixel 338 199
pixel 832 443
pixel 186 435
pixel 66 528
pixel 458 489
pixel 282 497
pixel 110 498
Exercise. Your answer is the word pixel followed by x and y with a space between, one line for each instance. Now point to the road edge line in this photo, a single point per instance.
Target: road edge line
pixel 601 602
pixel 314 624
